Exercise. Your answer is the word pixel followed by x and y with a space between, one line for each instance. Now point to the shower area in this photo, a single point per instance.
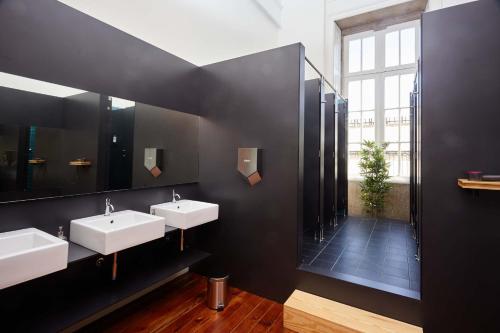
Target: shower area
pixel 380 253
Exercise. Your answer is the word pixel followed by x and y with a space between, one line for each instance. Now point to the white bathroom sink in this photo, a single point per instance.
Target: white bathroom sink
pixel 185 214
pixel 116 232
pixel 30 253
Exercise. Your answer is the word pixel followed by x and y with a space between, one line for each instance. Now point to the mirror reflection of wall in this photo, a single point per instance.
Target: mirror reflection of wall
pixel 56 140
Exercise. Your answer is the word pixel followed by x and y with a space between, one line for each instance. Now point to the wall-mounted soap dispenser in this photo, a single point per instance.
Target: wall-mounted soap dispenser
pixel 153 160
pixel 250 164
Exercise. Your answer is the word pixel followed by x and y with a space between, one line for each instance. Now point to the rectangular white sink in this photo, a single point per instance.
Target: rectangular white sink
pixel 116 232
pixel 29 253
pixel 185 214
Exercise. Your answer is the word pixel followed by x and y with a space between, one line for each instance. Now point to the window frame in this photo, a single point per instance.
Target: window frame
pixel 378 74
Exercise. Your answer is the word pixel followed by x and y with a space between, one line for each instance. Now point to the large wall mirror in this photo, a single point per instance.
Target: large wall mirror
pixel 57 141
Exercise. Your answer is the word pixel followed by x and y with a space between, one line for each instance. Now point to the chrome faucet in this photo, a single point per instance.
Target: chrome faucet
pixel 109 208
pixel 175 196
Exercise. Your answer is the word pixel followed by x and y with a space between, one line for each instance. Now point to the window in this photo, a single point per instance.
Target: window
pixel 380 68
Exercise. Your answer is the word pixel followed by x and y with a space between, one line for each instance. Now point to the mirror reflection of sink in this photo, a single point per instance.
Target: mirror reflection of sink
pixel 116 232
pixel 185 214
pixel 30 253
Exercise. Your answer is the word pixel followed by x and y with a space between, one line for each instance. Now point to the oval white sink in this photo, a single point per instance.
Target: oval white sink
pixel 30 253
pixel 116 232
pixel 185 214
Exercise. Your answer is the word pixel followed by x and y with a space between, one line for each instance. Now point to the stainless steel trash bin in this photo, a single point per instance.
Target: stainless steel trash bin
pixel 218 292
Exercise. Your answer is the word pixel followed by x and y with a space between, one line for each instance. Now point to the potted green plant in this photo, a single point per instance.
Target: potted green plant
pixel 375 171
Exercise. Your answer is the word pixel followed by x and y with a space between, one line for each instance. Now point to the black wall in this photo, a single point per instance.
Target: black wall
pixel 460 117
pixel 174 132
pixel 253 101
pixel 50 41
pixel 24 108
pixel 81 119
pixel 48 214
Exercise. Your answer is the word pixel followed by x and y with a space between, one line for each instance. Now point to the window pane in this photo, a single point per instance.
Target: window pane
pixel 354 55
pixel 354 131
pixel 368 95
pixel 391 99
pixel 405 147
pixel 405 125
pixel 368 125
pixel 406 87
pixel 392 157
pixel 354 95
pixel 391 125
pixel 353 163
pixel 408 46
pixel 368 53
pixel 405 160
pixel 392 49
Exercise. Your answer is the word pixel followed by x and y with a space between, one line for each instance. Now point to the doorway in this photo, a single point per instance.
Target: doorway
pixel 379 252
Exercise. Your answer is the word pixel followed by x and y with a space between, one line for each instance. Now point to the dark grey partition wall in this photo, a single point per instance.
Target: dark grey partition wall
pixel 341 156
pixel 460 117
pixel 329 165
pixel 50 41
pixel 253 101
pixel 312 132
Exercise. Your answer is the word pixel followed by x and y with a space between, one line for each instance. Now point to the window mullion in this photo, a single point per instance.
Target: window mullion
pixel 379 108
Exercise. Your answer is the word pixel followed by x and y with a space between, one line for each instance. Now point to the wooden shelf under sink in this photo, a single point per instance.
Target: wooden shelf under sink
pixel 478 185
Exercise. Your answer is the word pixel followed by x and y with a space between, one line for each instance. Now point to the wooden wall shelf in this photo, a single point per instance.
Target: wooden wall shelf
pixel 37 161
pixel 80 163
pixel 478 185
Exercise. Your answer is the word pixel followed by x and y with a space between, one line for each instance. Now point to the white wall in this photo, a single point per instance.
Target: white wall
pixel 304 21
pixel 338 9
pixel 438 4
pixel 198 31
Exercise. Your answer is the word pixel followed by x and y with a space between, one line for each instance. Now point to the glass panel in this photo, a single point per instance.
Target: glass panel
pixel 369 125
pixel 368 53
pixel 391 92
pixel 354 55
pixel 392 49
pixel 408 46
pixel 391 125
pixel 405 125
pixel 354 131
pixel 354 95
pixel 392 157
pixel 406 87
pixel 368 95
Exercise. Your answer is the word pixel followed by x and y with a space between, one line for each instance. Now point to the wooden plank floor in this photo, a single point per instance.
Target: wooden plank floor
pixel 180 306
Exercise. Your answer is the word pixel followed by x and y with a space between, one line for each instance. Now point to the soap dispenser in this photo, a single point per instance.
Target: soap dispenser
pixel 60 233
